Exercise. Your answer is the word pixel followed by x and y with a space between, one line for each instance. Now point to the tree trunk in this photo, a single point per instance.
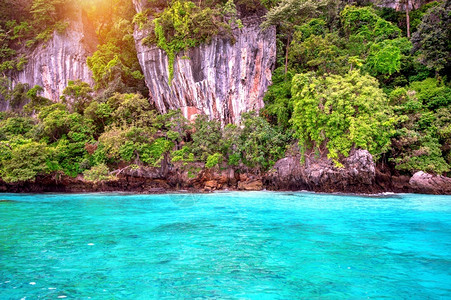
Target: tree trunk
pixel 286 56
pixel 408 19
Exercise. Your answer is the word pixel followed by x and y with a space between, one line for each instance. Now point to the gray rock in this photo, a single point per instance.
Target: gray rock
pixel 320 174
pixel 63 58
pixel 423 182
pixel 221 79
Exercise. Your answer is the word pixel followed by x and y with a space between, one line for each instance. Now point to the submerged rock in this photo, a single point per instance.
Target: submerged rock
pixel 221 79
pixel 423 182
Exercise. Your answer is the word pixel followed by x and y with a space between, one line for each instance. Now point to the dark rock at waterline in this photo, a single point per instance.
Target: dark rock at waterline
pixel 423 182
pixel 358 174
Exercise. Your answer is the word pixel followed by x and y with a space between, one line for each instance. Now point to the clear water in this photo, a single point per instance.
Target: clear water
pixel 258 245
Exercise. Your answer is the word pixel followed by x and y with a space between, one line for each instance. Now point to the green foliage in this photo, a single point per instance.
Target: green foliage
pixel 214 160
pixel 97 173
pixel 289 12
pixel 37 102
pixel 206 135
pixel 78 95
pixel 432 40
pixel 15 126
pixel 418 152
pixel 423 132
pixel 385 57
pixel 185 155
pixel 432 93
pixel 255 144
pixel 68 156
pixel 278 104
pixel 132 130
pixel 115 65
pixel 261 144
pixel 99 115
pixel 131 110
pixel 152 154
pixel 341 112
pixel 365 23
pixel 22 160
pixel 58 123
pixel 183 25
pixel 318 53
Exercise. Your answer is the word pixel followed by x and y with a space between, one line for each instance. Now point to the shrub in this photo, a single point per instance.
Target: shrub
pixel 97 173
pixel 22 160
pixel 341 112
pixel 214 160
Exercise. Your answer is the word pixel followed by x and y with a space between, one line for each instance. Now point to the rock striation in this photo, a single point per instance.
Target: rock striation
pixel 63 58
pixel 221 79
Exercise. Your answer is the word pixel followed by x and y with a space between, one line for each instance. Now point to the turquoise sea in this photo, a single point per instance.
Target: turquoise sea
pixel 238 245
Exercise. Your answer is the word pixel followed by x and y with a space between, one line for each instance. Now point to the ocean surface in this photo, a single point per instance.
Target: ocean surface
pixel 238 245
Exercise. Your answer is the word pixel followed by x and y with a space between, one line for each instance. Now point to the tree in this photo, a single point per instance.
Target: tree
pixel 78 95
pixel 23 161
pixel 339 113
pixel 385 57
pixel 206 137
pixel 432 40
pixel 288 14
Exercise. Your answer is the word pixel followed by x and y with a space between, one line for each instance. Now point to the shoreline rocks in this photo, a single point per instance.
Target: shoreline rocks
pixel 358 176
pixel 426 183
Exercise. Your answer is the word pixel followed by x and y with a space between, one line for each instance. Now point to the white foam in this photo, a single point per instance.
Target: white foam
pixel 52 288
pixel 91 244
pixel 61 297
pixel 32 283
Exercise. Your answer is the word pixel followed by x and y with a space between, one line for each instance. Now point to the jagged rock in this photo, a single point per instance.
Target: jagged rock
pixel 63 58
pixel 423 182
pixel 211 185
pixel 320 174
pixel 221 79
pixel 252 185
pixel 285 175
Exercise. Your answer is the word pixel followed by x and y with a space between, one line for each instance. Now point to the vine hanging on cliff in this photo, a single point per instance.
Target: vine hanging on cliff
pixel 183 25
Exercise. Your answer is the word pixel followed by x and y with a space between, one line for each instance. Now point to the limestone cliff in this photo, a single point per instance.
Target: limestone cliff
pixel 222 79
pixel 63 58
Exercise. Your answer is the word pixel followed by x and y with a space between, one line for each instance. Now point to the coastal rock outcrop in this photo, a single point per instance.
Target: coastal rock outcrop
pixel 63 58
pixel 320 174
pixel 423 182
pixel 221 79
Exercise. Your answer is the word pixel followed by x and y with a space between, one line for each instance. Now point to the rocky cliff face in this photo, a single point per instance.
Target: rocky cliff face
pixel 63 58
pixel 400 4
pixel 222 79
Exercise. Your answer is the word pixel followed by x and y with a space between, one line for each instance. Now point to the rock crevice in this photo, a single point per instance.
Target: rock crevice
pixel 221 79
pixel 63 58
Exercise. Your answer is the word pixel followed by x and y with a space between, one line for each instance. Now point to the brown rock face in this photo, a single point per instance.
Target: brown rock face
pixel 221 79
pixel 430 184
pixel 252 185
